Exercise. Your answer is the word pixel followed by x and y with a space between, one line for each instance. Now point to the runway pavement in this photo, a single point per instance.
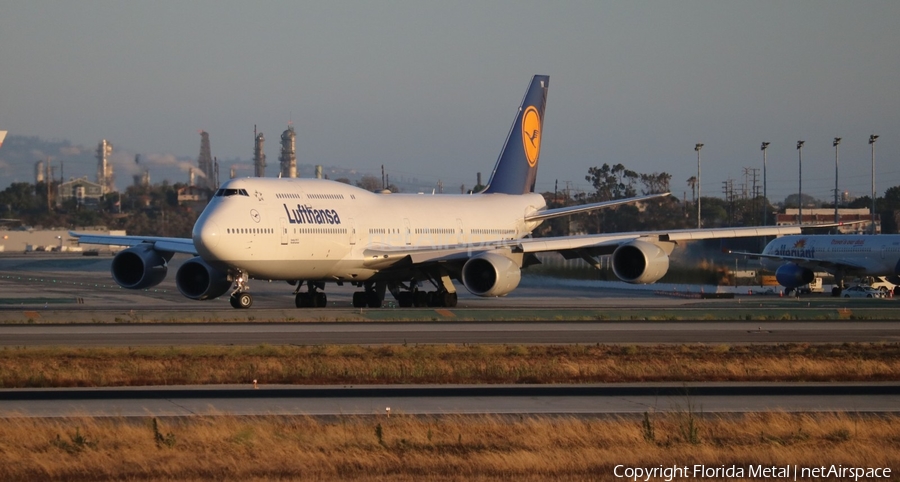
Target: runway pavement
pixel 378 333
pixel 617 399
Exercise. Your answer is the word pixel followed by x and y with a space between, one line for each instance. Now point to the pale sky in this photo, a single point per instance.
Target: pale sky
pixel 429 89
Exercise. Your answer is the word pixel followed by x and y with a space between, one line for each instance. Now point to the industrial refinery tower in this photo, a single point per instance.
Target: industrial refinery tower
pixel 259 155
pixel 205 162
pixel 288 158
pixel 104 168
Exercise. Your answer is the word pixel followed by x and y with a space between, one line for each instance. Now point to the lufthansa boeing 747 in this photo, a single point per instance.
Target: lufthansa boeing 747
pixel 311 232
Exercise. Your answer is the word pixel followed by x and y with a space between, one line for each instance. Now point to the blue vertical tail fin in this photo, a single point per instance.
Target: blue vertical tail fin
pixel 516 168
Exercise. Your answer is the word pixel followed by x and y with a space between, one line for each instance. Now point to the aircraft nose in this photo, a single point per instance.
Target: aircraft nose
pixel 206 236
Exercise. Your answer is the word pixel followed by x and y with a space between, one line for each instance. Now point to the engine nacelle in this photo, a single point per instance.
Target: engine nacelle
pixel 198 280
pixel 791 275
pixel 491 274
pixel 139 267
pixel 640 262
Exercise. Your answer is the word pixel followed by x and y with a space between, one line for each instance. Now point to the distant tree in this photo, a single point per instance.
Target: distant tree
pixel 655 183
pixel 369 183
pixel 808 201
pixel 692 182
pixel 610 183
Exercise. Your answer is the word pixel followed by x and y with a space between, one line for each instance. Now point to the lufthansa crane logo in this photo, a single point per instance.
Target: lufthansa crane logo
pixel 531 134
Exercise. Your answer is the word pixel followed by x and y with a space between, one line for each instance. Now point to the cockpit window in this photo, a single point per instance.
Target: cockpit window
pixel 232 192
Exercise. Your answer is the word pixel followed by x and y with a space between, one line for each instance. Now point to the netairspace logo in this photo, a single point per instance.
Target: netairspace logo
pixel 786 472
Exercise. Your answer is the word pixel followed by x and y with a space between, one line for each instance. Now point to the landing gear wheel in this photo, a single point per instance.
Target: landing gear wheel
pixel 449 299
pixel 359 299
pixel 372 299
pixel 241 300
pixel 836 291
pixel 405 299
pixel 321 301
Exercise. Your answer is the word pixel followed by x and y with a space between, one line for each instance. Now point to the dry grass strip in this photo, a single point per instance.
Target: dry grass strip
pixel 404 448
pixel 445 364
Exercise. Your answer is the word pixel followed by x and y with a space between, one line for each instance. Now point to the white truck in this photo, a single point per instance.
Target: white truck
pixel 815 286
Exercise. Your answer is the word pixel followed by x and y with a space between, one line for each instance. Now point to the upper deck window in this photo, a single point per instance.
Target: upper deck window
pixel 232 192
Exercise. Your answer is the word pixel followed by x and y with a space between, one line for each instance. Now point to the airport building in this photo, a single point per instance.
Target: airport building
pixel 85 193
pixel 27 240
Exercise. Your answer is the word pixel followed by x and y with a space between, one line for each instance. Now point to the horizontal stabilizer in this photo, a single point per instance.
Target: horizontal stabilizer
pixel 557 212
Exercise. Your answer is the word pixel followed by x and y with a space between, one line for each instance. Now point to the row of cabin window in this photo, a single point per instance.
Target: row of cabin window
pixel 320 231
pixel 290 195
pixel 435 231
pixel 250 231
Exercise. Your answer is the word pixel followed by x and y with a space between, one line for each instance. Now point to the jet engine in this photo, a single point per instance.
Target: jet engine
pixel 197 280
pixel 491 274
pixel 139 267
pixel 640 262
pixel 791 275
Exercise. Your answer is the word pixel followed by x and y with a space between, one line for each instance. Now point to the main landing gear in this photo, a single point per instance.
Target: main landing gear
pixel 838 284
pixel 421 299
pixel 373 296
pixel 409 296
pixel 313 298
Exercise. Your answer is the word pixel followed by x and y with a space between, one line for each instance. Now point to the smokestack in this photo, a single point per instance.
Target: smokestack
pixel 38 172
pixel 104 168
pixel 318 171
pixel 288 158
pixel 204 161
pixel 191 178
pixel 259 156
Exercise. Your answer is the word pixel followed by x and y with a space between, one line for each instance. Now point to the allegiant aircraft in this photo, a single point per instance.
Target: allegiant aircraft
pixel 312 232
pixel 795 259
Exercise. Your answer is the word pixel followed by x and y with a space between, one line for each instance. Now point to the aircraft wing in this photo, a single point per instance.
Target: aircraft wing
pixel 601 244
pixel 569 246
pixel 829 265
pixel 163 244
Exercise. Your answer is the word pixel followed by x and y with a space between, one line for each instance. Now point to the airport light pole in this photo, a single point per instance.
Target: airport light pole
pixel 800 186
pixel 764 148
pixel 837 142
pixel 872 139
pixel 697 148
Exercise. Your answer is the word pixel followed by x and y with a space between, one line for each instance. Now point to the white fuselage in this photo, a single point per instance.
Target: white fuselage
pixel 312 229
pixel 878 255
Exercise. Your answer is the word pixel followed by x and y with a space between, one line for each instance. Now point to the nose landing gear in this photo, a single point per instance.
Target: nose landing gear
pixel 240 297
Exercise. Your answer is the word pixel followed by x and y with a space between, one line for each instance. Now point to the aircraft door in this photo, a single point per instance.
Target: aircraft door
pixel 406 233
pixel 284 231
pixel 351 230
pixel 460 232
